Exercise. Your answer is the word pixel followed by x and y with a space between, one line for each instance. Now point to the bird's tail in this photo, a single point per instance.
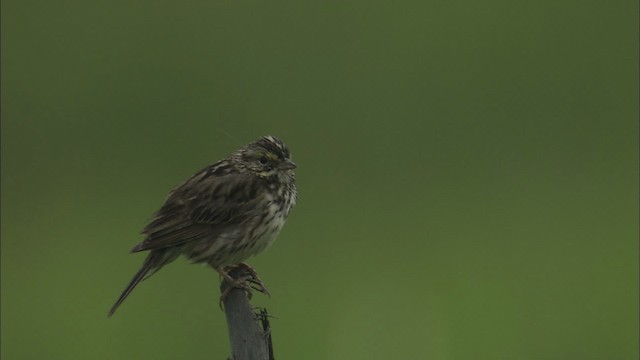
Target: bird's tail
pixel 151 264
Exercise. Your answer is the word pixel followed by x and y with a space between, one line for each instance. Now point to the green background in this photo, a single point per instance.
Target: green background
pixel 468 174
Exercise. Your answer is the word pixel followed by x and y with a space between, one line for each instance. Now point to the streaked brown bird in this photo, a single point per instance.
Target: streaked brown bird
pixel 222 215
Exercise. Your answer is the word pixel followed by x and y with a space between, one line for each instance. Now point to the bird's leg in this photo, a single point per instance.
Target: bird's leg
pixel 232 283
pixel 255 279
pixel 250 276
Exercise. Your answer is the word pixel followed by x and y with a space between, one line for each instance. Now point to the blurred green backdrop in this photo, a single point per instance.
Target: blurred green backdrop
pixel 468 174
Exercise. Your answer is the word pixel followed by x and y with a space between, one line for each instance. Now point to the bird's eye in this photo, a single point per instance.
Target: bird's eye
pixel 263 160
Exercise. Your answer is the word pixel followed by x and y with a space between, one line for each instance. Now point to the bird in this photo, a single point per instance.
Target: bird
pixel 223 214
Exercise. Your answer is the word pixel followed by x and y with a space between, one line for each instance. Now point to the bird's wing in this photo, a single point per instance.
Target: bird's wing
pixel 201 208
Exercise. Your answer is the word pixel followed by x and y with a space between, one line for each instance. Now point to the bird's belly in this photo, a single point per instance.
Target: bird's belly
pixel 253 236
pixel 233 247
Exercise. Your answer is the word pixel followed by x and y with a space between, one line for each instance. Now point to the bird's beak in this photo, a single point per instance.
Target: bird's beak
pixel 287 165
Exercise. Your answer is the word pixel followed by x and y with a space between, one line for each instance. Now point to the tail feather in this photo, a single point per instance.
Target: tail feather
pixel 150 264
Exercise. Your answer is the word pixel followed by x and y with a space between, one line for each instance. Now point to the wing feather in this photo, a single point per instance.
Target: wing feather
pixel 201 208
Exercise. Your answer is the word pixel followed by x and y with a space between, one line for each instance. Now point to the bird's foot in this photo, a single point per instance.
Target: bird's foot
pixel 247 282
pixel 233 284
pixel 255 279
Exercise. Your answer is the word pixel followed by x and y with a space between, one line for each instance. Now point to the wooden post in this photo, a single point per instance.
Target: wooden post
pixel 249 332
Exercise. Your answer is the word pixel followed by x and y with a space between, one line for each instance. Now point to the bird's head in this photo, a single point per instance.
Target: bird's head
pixel 266 157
